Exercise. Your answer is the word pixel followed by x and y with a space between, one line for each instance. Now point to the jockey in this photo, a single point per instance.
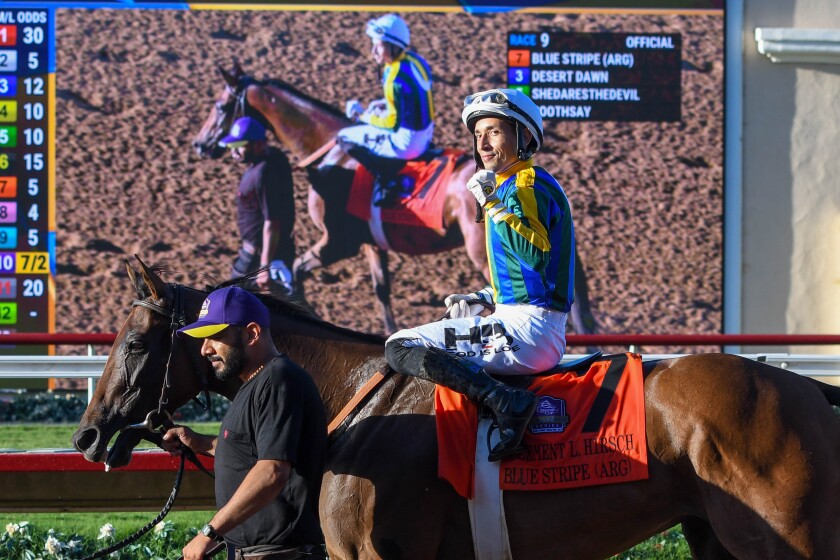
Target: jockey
pixel 400 126
pixel 530 249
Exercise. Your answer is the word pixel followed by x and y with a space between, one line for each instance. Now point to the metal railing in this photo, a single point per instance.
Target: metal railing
pixel 571 339
pixel 91 367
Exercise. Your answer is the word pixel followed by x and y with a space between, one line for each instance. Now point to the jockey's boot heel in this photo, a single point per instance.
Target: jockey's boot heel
pixel 385 194
pixel 511 408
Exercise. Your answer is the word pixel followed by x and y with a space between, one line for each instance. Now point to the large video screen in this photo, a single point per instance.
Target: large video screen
pixel 633 113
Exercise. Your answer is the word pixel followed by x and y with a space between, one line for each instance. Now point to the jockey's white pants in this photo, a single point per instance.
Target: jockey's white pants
pixel 514 340
pixel 402 143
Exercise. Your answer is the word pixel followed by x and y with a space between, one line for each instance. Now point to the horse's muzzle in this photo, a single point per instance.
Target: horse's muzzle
pixel 211 151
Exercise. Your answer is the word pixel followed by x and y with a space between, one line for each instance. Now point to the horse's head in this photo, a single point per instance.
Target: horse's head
pixel 150 372
pixel 227 108
pixel 231 104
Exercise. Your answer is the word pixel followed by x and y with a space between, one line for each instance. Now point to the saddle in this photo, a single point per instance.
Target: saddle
pixel 578 367
pixel 417 188
pixel 588 429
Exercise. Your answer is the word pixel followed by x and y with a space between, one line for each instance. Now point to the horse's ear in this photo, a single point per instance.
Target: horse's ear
pixel 156 286
pixel 136 281
pixel 229 78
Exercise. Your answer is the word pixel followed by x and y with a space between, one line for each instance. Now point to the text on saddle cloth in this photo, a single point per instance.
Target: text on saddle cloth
pixel 421 204
pixel 587 430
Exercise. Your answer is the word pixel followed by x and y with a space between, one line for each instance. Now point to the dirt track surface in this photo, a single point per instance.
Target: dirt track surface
pixel 134 87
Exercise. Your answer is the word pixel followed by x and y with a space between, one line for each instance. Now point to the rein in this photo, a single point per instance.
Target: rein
pixel 159 420
pixel 372 385
pixel 148 526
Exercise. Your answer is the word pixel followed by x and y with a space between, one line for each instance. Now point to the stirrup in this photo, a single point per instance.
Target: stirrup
pixel 511 445
pixel 500 451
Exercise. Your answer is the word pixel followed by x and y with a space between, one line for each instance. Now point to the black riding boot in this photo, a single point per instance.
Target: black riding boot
pixel 386 192
pixel 511 408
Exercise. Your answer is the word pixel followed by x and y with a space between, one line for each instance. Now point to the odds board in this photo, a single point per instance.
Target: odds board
pixel 27 214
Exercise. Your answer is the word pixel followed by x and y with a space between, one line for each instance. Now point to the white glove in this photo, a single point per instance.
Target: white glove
pixel 353 109
pixel 483 186
pixel 458 308
pixel 377 106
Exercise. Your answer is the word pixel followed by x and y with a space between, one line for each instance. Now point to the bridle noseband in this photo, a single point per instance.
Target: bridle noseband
pixel 160 419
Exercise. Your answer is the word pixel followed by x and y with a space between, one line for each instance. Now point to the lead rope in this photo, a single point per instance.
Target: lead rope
pixel 146 528
pixel 163 422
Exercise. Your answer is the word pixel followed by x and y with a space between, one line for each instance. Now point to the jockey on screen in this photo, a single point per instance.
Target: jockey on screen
pixel 401 125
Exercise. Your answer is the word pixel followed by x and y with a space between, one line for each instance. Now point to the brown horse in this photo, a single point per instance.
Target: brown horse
pixel 744 455
pixel 303 125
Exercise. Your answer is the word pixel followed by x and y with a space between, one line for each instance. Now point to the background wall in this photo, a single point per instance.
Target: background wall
pixel 791 171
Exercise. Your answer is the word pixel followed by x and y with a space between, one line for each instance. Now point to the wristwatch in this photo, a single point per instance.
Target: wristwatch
pixel 210 532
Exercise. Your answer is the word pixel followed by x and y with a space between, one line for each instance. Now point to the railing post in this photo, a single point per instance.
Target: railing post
pixel 91 384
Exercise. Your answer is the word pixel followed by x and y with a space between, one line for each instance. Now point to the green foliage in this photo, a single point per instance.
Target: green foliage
pixel 54 407
pixel 27 541
pixel 667 545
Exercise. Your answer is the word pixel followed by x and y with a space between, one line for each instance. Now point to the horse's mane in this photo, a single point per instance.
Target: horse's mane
pixel 282 305
pixel 280 84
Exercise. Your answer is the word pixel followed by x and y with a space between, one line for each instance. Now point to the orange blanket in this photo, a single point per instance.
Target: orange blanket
pixel 587 430
pixel 425 205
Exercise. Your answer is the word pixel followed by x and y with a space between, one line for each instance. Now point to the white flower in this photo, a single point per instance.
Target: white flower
pixel 52 546
pixel 160 527
pixel 106 531
pixel 12 529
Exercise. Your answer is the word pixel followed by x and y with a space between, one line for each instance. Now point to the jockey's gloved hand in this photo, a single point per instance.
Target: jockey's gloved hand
pixel 354 109
pixel 377 105
pixel 457 305
pixel 483 187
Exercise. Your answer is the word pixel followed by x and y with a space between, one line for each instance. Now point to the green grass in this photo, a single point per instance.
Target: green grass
pixel 87 525
pixel 669 545
pixel 58 436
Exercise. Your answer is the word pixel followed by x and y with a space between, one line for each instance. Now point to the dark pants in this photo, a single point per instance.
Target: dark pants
pixel 305 552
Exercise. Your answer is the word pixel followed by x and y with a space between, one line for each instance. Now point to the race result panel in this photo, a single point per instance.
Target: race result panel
pixel 27 171
pixel 598 76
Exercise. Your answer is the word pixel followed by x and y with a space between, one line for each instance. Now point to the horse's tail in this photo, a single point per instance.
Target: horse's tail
pixel 830 392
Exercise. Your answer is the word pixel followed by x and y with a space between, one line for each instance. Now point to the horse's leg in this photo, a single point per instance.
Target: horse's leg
pixel 328 178
pixel 582 317
pixel 378 262
pixel 474 244
pixel 461 206
pixel 311 259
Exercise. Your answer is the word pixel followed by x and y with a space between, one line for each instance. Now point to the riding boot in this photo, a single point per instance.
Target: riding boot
pixel 511 408
pixel 386 192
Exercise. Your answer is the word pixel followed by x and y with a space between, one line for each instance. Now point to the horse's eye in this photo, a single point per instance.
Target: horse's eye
pixel 135 346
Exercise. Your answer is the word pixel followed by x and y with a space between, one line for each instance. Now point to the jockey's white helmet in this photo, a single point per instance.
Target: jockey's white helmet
pixel 508 104
pixel 389 28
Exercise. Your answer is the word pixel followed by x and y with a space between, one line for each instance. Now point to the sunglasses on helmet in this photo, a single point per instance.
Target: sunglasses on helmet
pixel 492 97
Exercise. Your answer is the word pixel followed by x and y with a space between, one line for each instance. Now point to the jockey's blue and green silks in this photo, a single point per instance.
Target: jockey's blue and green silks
pixel 407 84
pixel 531 257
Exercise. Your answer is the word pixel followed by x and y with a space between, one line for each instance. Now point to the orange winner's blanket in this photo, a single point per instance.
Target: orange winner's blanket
pixel 587 430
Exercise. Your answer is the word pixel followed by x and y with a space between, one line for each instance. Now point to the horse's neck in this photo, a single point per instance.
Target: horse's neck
pixel 339 369
pixel 299 124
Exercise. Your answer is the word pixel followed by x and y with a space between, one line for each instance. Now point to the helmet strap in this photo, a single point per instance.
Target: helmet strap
pixel 479 164
pixel 522 151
